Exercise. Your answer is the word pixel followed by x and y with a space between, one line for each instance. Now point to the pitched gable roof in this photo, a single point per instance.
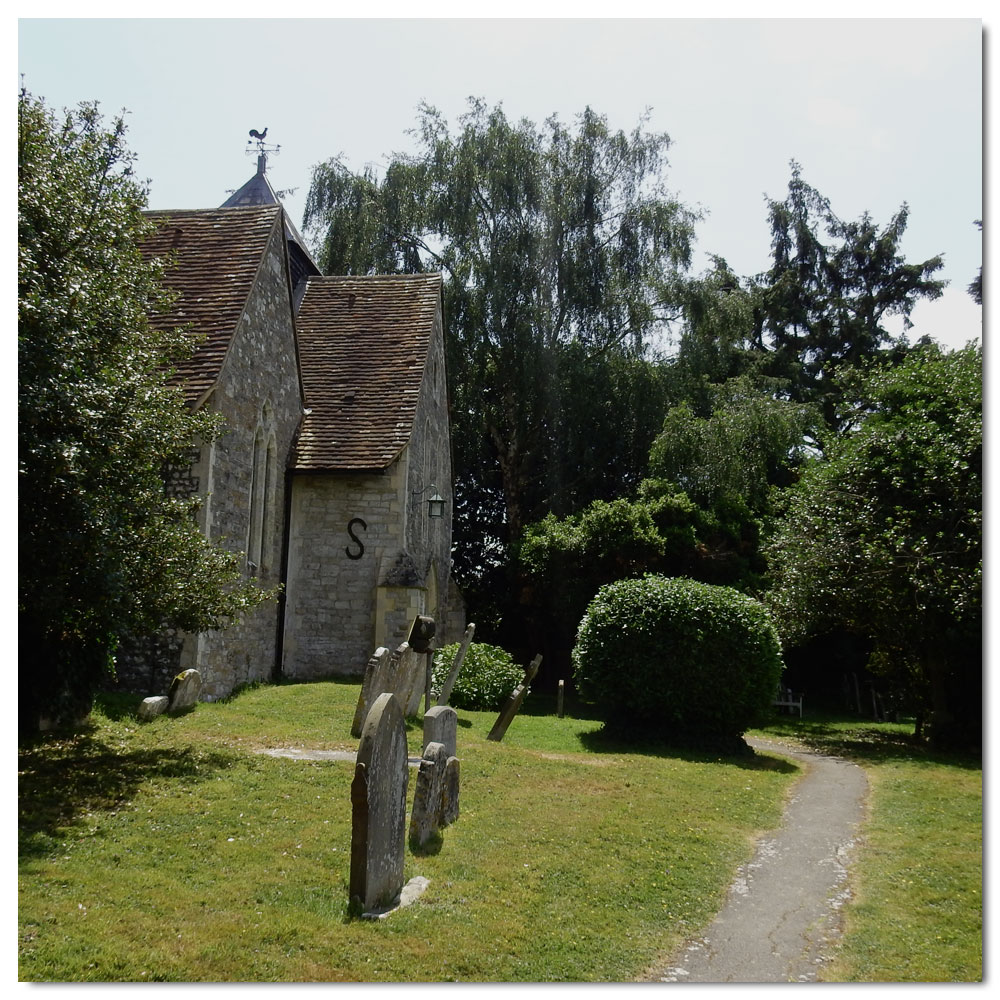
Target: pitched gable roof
pixel 258 191
pixel 363 345
pixel 214 256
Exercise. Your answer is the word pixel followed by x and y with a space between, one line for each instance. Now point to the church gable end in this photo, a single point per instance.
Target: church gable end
pixel 375 434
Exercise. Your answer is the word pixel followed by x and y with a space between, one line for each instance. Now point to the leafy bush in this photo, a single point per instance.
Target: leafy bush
pixel 684 662
pixel 486 679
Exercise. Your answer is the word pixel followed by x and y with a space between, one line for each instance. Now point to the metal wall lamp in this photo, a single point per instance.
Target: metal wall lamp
pixel 435 503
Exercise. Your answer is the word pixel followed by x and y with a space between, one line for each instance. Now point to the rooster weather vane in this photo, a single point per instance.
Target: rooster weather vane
pixel 261 147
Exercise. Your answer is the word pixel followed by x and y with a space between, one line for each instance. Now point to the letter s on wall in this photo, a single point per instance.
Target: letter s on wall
pixel 354 538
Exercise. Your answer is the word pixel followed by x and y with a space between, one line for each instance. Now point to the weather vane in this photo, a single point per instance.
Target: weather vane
pixel 262 149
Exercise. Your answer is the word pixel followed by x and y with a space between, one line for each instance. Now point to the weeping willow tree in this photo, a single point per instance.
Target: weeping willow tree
pixel 557 244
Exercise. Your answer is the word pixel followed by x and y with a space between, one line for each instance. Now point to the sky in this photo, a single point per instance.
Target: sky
pixel 878 112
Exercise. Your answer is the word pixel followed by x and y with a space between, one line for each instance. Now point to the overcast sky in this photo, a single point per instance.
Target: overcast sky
pixel 877 112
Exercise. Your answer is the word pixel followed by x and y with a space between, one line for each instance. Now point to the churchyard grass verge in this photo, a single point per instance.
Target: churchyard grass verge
pixel 917 910
pixel 176 851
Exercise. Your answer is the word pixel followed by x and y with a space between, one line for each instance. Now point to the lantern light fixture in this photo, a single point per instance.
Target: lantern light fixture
pixel 435 503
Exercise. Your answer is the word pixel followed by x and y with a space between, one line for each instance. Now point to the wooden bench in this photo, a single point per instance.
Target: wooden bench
pixel 787 698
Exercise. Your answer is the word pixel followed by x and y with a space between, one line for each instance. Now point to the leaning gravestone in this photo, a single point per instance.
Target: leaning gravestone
pixel 513 704
pixel 441 726
pixel 457 665
pixel 378 800
pixel 435 799
pixel 184 690
pixel 377 680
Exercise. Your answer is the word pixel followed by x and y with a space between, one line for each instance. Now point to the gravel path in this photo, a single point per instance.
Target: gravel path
pixel 781 918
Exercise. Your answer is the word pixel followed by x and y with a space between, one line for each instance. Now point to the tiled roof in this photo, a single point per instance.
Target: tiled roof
pixel 363 344
pixel 215 256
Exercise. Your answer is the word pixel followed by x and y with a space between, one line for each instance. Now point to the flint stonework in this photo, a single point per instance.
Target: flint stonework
pixel 441 726
pixel 378 800
pixel 513 704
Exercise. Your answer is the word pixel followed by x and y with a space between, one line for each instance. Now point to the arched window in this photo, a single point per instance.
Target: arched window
pixel 262 493
pixel 268 505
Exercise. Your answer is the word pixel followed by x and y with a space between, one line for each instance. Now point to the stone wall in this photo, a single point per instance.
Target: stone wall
pixel 364 558
pixel 241 474
pixel 342 528
pixel 260 397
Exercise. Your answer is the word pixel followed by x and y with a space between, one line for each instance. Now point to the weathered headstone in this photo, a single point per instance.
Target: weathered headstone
pixel 377 680
pixel 457 665
pixel 378 800
pixel 410 683
pixel 428 800
pixel 449 793
pixel 441 726
pixel 184 690
pixel 152 707
pixel 513 704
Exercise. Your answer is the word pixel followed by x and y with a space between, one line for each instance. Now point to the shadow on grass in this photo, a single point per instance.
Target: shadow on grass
pixel 601 741
pixel 63 777
pixel 873 742
pixel 539 703
pixel 429 847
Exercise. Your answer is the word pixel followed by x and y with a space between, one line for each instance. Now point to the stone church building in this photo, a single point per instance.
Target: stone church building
pixel 333 476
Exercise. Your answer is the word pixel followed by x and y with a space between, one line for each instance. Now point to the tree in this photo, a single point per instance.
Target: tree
pixel 750 442
pixel 883 534
pixel 556 244
pixel 831 283
pixel 104 550
pixel 564 561
pixel 717 342
pixel 975 288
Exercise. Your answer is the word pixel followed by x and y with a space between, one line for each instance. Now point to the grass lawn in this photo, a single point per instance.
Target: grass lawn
pixel 173 850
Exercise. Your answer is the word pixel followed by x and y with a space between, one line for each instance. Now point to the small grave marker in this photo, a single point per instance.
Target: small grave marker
pixel 435 798
pixel 441 726
pixel 513 704
pixel 184 690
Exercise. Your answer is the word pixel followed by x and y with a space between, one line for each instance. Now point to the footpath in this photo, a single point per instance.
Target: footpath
pixel 782 917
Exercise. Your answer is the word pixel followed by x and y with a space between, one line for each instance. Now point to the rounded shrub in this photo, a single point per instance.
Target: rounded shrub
pixel 686 663
pixel 486 679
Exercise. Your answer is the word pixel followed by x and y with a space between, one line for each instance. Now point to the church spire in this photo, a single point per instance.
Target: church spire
pixel 257 190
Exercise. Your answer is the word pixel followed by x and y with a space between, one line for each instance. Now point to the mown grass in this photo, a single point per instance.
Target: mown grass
pixel 173 850
pixel 917 910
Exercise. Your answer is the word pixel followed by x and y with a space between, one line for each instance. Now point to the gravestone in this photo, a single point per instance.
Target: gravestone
pixel 184 690
pixel 449 793
pixel 428 814
pixel 152 707
pixel 513 704
pixel 377 680
pixel 410 673
pixel 457 665
pixel 378 800
pixel 441 726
